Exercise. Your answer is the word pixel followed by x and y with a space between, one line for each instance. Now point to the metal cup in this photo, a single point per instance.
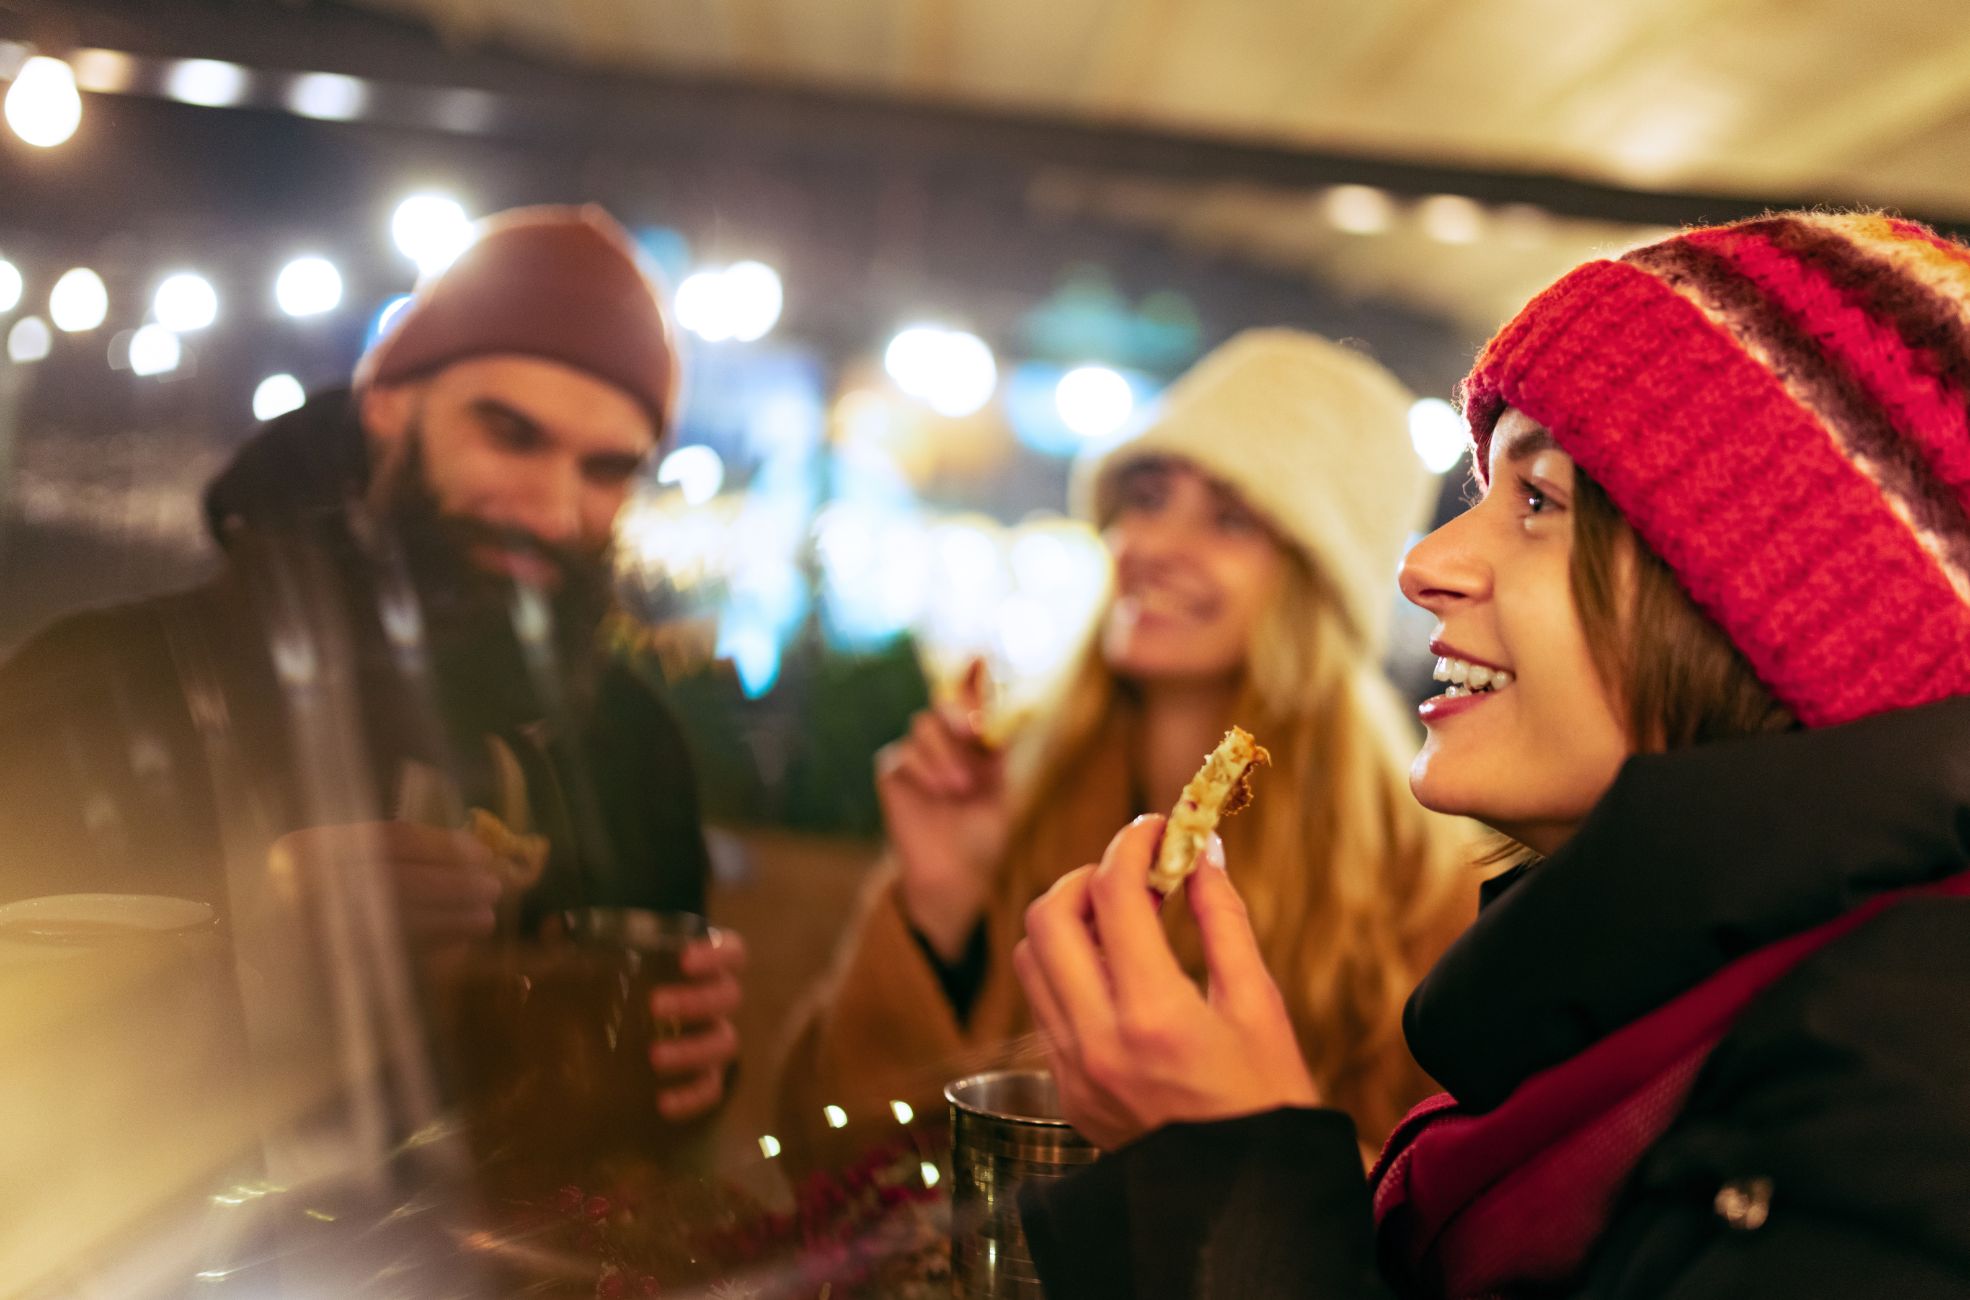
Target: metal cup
pixel 1006 1130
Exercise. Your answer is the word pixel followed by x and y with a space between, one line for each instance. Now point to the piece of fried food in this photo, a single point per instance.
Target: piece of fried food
pixel 518 860
pixel 1220 788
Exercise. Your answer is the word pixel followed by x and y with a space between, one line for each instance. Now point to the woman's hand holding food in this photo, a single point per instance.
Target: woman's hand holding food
pixel 944 806
pixel 1131 1040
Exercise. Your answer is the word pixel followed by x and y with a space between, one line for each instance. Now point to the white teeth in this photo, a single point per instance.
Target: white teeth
pixel 1465 678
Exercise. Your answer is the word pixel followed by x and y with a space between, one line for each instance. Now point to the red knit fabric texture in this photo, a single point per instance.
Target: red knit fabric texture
pixel 1774 533
pixel 1923 405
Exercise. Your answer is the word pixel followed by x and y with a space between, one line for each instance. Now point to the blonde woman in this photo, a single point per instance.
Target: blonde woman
pixel 1255 524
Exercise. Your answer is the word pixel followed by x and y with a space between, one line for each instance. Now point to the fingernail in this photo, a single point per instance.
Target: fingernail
pixel 1214 851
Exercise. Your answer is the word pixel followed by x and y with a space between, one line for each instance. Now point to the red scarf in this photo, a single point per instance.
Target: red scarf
pixel 1473 1206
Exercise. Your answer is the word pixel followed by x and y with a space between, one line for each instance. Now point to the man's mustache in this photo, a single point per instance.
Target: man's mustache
pixel 569 564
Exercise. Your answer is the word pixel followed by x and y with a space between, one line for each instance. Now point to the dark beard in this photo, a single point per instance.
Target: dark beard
pixel 493 666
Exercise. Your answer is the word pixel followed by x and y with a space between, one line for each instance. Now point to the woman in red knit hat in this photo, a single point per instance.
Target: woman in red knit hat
pixel 1707 643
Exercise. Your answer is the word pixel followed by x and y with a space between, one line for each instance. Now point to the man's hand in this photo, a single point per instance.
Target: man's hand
pixel 1132 1043
pixel 695 1065
pixel 442 879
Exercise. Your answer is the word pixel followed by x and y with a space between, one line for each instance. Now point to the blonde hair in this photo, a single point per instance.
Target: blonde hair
pixel 1353 887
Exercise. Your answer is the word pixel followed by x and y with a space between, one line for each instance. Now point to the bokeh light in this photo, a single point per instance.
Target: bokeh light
pixel 755 297
pixel 741 302
pixel 1451 218
pixel 328 96
pixel 277 395
pixel 951 371
pixel 308 286
pixel 431 230
pixel 29 340
pixel 185 301
pixel 695 471
pixel 11 285
pixel 1094 401
pixel 387 316
pixel 43 105
pixel 1359 209
pixel 155 350
pixel 79 301
pixel 1438 433
pixel 209 83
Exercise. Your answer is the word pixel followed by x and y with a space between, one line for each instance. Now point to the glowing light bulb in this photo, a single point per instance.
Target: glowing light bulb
pixel 277 395
pixel 209 83
pixel 1438 433
pixel 308 286
pixel 43 105
pixel 78 302
pixel 328 96
pixel 29 340
pixel 696 471
pixel 185 301
pixel 1093 401
pixel 155 350
pixel 431 230
pixel 951 371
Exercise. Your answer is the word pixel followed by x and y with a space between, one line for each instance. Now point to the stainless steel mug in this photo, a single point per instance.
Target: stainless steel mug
pixel 1006 1130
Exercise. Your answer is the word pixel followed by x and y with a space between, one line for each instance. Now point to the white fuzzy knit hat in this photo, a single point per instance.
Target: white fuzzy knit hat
pixel 1314 436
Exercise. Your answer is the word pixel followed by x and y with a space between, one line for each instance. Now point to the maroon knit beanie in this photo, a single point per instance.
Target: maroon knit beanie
pixel 561 283
pixel 1781 409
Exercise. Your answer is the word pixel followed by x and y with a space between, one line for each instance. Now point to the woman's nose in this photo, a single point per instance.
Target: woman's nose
pixel 1445 569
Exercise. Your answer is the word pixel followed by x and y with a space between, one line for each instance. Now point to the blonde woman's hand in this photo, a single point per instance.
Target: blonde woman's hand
pixel 1131 1040
pixel 944 806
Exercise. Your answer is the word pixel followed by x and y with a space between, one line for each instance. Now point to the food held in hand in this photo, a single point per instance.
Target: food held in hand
pixel 518 859
pixel 1221 787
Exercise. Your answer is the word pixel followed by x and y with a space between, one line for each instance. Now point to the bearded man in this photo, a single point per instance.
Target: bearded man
pixel 408 625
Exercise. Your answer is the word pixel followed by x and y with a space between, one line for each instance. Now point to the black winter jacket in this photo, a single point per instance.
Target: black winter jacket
pixel 1846 1084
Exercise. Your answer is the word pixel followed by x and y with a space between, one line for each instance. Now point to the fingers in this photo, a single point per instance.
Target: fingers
pixel 716 1045
pixel 439 903
pixel 1046 1012
pixel 1144 971
pixel 723 951
pixel 693 1099
pixel 941 755
pixel 942 742
pixel 1238 976
pixel 1063 954
pixel 703 1000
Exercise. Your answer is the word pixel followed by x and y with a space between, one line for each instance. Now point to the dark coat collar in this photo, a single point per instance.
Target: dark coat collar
pixel 300 468
pixel 1690 860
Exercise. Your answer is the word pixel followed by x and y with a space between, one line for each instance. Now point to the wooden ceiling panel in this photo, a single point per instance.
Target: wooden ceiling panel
pixel 1013 53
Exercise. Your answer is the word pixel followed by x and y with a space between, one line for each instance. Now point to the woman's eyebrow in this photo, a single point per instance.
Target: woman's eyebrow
pixel 1519 445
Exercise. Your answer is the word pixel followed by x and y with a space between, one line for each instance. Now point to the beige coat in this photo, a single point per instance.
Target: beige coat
pixel 880 1030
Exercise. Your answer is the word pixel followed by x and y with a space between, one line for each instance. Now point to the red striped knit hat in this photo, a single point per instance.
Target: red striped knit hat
pixel 1781 409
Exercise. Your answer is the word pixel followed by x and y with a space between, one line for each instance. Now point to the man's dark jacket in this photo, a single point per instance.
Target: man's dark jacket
pixel 143 745
pixel 1844 1088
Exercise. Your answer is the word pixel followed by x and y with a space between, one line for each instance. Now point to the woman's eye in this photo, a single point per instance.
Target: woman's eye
pixel 1536 501
pixel 1236 521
